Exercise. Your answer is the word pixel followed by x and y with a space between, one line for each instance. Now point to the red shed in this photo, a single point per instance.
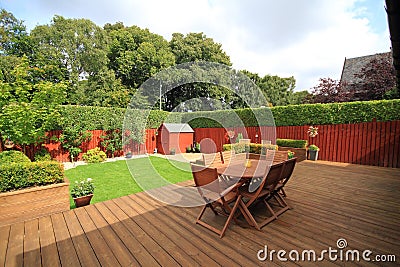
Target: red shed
pixel 174 136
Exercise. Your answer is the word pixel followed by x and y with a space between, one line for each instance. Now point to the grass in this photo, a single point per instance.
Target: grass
pixel 113 179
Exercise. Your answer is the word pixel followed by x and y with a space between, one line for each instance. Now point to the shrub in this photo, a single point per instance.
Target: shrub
pixel 94 155
pixel 13 156
pixel 252 148
pixel 42 155
pixel 313 148
pixel 292 143
pixel 21 175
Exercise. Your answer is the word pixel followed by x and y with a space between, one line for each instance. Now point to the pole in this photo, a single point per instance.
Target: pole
pixel 160 93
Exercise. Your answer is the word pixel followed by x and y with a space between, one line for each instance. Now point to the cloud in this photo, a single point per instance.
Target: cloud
pixel 307 39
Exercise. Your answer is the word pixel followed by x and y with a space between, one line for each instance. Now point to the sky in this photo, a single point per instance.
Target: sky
pixel 307 39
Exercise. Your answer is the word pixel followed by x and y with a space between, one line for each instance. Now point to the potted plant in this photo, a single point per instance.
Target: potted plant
pixel 290 154
pixel 313 152
pixel 82 192
pixel 128 155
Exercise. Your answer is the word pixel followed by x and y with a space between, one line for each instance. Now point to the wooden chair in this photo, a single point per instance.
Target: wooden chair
pixel 286 174
pixel 212 159
pixel 265 190
pixel 279 156
pixel 215 197
pixel 241 156
pixel 227 156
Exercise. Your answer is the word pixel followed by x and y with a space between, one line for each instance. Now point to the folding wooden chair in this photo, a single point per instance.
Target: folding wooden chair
pixel 279 156
pixel 215 196
pixel 286 174
pixel 227 156
pixel 212 159
pixel 241 156
pixel 266 187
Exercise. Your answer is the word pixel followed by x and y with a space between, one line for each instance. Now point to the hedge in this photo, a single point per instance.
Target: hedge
pixel 102 118
pixel 252 148
pixel 13 156
pixel 297 115
pixel 292 143
pixel 21 175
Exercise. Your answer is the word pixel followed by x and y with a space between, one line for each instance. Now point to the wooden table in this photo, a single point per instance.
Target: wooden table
pixel 238 169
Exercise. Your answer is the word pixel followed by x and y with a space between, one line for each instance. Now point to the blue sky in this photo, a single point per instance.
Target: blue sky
pixel 307 39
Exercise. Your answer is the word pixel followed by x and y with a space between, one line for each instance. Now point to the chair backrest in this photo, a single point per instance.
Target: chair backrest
pixel 227 156
pixel 266 184
pixel 288 169
pixel 265 142
pixel 241 156
pixel 205 178
pixel 212 159
pixel 280 156
pixel 274 175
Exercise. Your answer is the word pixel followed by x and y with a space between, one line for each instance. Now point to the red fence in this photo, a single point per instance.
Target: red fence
pixel 58 153
pixel 372 143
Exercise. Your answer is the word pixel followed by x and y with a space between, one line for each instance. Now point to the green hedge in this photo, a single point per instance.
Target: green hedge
pixel 21 175
pixel 13 156
pixel 252 148
pixel 292 143
pixel 101 118
pixel 297 115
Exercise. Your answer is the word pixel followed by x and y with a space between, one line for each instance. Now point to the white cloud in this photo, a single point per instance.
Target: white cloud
pixel 307 39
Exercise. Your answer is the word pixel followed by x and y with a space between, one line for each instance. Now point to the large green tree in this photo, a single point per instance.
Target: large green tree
pixel 71 50
pixel 195 47
pixel 14 39
pixel 278 91
pixel 28 108
pixel 136 54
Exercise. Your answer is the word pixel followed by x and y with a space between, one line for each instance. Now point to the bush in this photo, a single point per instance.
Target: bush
pixel 21 175
pixel 313 148
pixel 13 156
pixel 297 115
pixel 94 155
pixel 292 143
pixel 42 155
pixel 252 148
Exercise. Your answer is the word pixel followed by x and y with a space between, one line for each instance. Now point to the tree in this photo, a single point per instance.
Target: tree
pixel 300 97
pixel 330 91
pixel 378 77
pixel 70 49
pixel 278 91
pixel 28 109
pixel 14 40
pixel 195 47
pixel 136 54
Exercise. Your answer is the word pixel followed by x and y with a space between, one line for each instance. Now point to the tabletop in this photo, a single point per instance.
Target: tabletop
pixel 241 168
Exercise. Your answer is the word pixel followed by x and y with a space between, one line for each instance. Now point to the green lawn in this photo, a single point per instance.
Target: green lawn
pixel 113 179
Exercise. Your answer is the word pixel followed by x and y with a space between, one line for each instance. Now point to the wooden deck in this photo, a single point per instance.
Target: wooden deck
pixel 329 200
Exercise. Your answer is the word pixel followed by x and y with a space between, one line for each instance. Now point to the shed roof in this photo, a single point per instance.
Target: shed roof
pixel 178 127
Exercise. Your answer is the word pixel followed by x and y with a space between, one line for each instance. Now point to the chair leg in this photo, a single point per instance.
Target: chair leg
pixel 231 216
pixel 270 219
pixel 202 212
pixel 283 193
pixel 249 216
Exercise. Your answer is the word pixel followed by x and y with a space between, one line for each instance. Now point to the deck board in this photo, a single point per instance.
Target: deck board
pixel 329 201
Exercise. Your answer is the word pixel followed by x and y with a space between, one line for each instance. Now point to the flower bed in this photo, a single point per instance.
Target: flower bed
pixel 299 153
